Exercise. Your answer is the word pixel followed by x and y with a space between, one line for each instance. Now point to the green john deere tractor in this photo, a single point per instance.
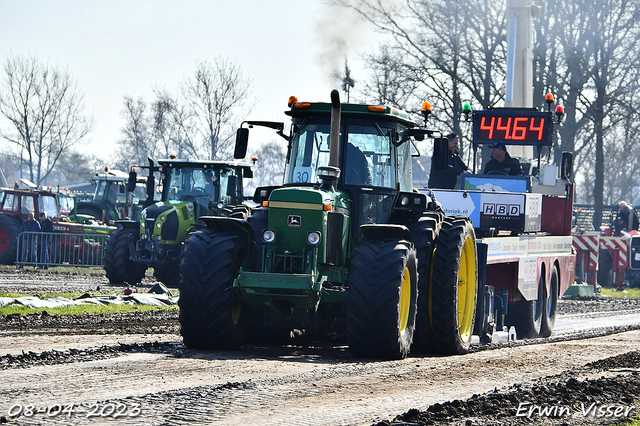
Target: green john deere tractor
pixel 190 189
pixel 345 248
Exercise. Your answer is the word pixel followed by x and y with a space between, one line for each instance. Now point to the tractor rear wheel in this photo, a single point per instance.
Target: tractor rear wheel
pixel 9 230
pixel 424 234
pixel 119 269
pixel 550 306
pixel 209 314
pixel 382 300
pixel 168 273
pixel 526 316
pixel 454 287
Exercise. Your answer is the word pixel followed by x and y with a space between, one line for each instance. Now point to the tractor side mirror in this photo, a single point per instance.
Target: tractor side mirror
pixel 440 153
pixel 566 169
pixel 131 183
pixel 242 140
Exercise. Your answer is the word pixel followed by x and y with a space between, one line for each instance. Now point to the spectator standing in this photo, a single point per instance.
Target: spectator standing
pixel 46 226
pixel 30 240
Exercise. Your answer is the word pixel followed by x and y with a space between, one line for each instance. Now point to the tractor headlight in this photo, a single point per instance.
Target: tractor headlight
pixel 404 201
pixel 269 236
pixel 313 238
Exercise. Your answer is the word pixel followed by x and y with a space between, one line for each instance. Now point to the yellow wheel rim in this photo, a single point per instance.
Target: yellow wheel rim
pixel 467 289
pixel 405 300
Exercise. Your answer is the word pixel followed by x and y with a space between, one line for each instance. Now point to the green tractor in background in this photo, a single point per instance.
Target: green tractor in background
pixel 190 190
pixel 113 199
pixel 344 248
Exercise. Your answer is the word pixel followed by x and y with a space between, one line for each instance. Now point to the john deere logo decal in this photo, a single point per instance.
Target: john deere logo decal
pixel 293 221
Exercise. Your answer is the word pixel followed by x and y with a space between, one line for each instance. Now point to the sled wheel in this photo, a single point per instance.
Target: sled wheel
pixel 527 316
pixel 454 287
pixel 209 314
pixel 550 305
pixel 118 268
pixel 382 300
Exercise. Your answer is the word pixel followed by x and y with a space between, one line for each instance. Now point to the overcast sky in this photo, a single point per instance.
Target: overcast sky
pixel 119 48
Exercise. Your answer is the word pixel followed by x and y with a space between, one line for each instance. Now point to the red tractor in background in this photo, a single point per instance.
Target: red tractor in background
pixel 69 246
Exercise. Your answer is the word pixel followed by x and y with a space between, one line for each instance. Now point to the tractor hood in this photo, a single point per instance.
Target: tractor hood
pixel 167 221
pixel 296 212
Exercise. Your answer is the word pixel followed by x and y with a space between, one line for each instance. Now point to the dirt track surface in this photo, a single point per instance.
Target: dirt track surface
pixel 133 369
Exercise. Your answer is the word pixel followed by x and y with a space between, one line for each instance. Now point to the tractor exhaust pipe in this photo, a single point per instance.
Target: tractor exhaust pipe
pixel 334 137
pixel 330 174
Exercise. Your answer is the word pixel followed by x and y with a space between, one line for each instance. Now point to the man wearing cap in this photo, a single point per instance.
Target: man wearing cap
pixel 626 219
pixel 501 161
pixel 447 178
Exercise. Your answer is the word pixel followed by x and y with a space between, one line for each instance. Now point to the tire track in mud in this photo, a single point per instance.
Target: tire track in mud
pixel 295 386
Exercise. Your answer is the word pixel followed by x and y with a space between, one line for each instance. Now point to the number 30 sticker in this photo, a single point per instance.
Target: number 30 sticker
pixel 302 174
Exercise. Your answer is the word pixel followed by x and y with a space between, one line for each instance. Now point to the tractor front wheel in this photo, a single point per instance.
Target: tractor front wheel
pixel 9 231
pixel 167 273
pixel 382 300
pixel 119 269
pixel 209 313
pixel 454 287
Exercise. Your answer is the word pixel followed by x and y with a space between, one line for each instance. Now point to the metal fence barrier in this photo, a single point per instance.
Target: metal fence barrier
pixel 44 249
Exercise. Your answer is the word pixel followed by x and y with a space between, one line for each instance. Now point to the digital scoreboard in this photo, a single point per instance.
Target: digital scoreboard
pixel 512 127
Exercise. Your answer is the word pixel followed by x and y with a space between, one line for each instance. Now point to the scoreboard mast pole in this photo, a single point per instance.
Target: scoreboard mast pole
pixel 519 85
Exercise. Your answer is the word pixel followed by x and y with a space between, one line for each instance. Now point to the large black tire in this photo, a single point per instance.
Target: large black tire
pixel 9 231
pixel 454 287
pixel 527 316
pixel 424 234
pixel 382 300
pixel 168 273
pixel 209 313
pixel 550 305
pixel 605 264
pixel 118 268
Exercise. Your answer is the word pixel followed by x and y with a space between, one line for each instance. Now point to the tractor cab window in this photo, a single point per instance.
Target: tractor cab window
pixel 310 149
pixel 369 157
pixel 67 204
pixel 140 192
pixel 228 186
pixel 10 203
pixel 405 177
pixel 47 203
pixel 27 204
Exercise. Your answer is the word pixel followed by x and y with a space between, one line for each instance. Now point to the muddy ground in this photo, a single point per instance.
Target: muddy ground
pixel 590 377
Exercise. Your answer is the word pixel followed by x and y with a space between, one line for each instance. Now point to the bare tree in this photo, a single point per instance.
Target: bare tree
pixel 217 95
pixel 44 107
pixel 271 155
pixel 446 52
pixel 136 144
pixel 175 127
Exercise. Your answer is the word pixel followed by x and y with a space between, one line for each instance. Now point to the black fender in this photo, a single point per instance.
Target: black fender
pixel 129 224
pixel 384 231
pixel 239 226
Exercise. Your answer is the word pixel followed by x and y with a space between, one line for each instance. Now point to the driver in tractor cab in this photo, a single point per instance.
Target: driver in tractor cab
pixel 501 162
pixel 357 167
pixel 210 187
